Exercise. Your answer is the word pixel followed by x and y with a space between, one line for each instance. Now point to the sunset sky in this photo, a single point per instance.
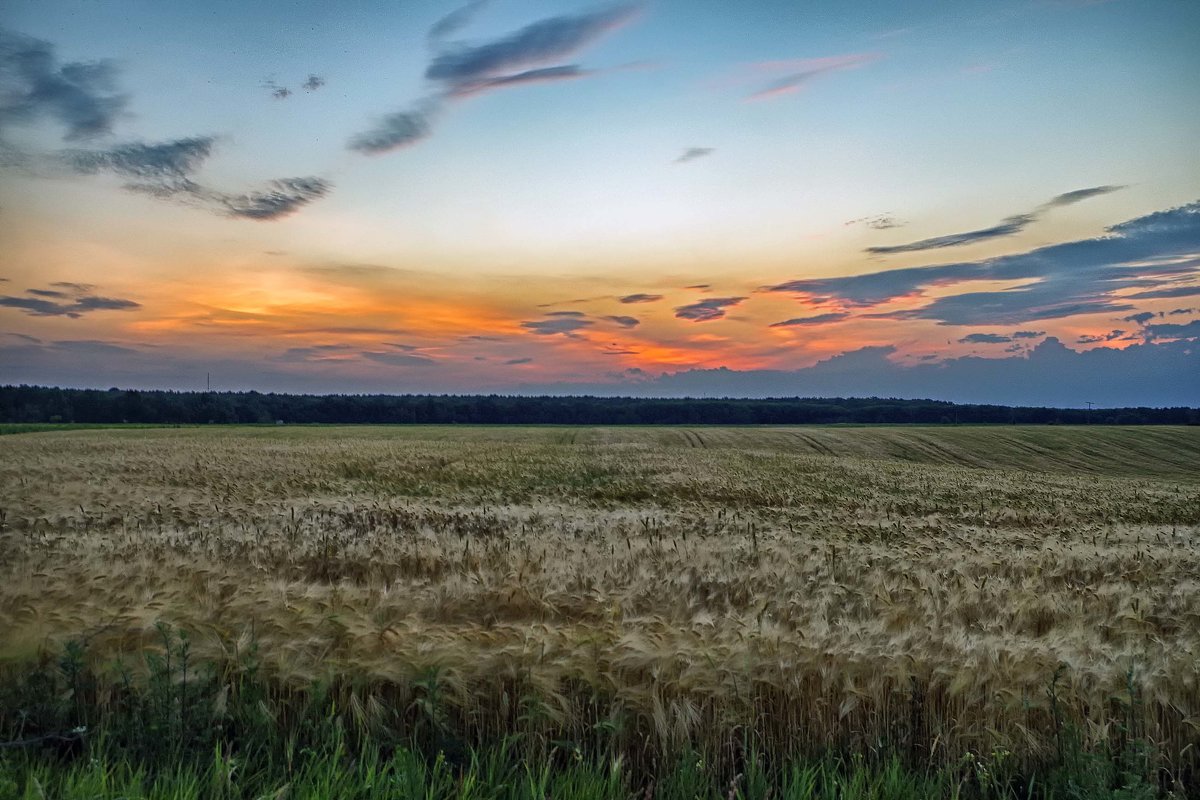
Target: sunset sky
pixel 984 201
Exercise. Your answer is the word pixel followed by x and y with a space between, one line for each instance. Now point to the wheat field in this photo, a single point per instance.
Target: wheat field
pixel 940 591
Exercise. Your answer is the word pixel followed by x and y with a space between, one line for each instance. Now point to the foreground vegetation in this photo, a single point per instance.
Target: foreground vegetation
pixel 511 612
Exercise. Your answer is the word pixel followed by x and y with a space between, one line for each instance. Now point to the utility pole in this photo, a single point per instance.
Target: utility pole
pixel 1089 414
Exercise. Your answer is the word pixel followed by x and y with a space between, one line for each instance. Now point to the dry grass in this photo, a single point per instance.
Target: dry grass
pixel 852 588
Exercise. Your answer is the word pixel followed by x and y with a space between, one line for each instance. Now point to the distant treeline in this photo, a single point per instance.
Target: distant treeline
pixel 47 404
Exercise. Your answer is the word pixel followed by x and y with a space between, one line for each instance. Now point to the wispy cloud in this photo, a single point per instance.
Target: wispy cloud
pixel 1006 227
pixel 693 153
pixel 71 300
pixel 707 310
pixel 640 298
pixel 458 71
pixel 791 76
pixel 173 159
pixel 34 85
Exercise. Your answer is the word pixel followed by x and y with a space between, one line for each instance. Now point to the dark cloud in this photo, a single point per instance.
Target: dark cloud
pixel 68 300
pixel 1176 311
pixel 81 96
pixel 984 338
pixel 707 310
pixel 397 130
pixel 281 198
pixel 512 362
pixel 565 314
pixel 1141 318
pixel 1062 280
pixel 1188 331
pixel 174 159
pixel 1007 227
pixel 693 153
pixel 624 322
pixel 537 43
pixel 564 324
pixel 640 298
pixel 819 319
pixel 313 83
pixel 1028 334
pixel 703 287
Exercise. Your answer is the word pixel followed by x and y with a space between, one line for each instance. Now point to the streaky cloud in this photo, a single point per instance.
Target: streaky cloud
pixel 566 72
pixel 455 21
pixel 640 298
pixel 818 319
pixel 1006 227
pixel 800 72
pixel 985 338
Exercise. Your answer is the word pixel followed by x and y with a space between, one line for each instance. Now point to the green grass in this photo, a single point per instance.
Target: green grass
pixel 7 428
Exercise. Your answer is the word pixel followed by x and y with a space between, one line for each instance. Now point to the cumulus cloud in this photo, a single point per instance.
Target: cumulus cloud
pixel 707 310
pixel 457 71
pixel 1062 280
pixel 1006 227
pixel 693 153
pixel 34 85
pixel 640 298
pixel 71 300
pixel 819 319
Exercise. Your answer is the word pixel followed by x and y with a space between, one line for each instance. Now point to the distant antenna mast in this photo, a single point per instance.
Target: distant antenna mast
pixel 208 381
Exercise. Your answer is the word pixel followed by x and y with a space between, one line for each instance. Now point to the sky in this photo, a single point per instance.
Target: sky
pixel 979 201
